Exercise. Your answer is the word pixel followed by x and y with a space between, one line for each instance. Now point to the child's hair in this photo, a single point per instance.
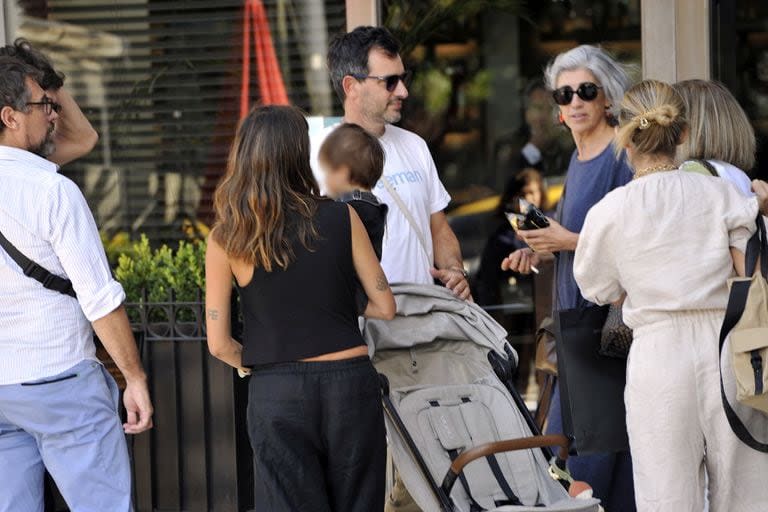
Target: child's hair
pixel 514 191
pixel 350 145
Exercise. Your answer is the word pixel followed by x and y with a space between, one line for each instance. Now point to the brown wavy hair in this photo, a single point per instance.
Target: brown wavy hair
pixel 267 198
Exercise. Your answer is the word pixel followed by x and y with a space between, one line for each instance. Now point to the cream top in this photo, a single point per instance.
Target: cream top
pixel 664 239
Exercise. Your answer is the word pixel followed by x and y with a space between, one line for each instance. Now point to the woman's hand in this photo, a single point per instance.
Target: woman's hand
pixel 555 238
pixel 760 188
pixel 521 261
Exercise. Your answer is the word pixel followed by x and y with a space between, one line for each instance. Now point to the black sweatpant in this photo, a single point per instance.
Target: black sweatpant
pixel 318 438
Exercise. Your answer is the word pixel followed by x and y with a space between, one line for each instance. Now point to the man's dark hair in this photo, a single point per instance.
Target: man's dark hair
pixel 350 145
pixel 22 49
pixel 348 53
pixel 13 86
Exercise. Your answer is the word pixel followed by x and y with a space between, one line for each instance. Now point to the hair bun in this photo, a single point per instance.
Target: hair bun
pixel 663 115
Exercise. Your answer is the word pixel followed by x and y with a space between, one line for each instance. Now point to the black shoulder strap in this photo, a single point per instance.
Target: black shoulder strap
pixel 708 166
pixel 736 303
pixel 36 272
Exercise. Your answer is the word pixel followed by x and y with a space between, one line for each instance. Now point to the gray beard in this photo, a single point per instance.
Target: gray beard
pixel 45 148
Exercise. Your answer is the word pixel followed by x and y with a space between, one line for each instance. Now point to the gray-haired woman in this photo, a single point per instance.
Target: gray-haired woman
pixel 587 84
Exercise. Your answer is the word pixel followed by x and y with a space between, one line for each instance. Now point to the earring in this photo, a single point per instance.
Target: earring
pixel 560 118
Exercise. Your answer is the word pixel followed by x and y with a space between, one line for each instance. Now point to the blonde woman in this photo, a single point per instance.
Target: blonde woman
pixel 670 240
pixel 720 135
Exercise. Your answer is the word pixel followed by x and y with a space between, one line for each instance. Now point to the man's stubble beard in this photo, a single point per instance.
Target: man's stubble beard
pixel 46 147
pixel 392 118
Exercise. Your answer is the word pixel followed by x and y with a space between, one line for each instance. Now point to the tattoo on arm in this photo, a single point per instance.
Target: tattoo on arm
pixel 381 283
pixel 213 314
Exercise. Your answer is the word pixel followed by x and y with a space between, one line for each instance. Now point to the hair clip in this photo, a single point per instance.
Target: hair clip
pixel 643 123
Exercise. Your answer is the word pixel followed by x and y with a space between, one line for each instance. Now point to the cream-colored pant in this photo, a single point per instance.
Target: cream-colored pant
pixel 677 426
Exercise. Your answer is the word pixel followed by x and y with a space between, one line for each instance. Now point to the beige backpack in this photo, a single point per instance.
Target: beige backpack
pixel 746 320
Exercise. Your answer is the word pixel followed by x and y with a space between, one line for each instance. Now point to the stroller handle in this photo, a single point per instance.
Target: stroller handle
pixel 509 445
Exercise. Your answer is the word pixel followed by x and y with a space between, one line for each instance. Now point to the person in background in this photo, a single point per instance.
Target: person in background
pixel 352 161
pixel 539 144
pixel 528 185
pixel 587 84
pixel 490 279
pixel 315 418
pixel 721 140
pixel 368 75
pixel 639 241
pixel 58 405
pixel 74 136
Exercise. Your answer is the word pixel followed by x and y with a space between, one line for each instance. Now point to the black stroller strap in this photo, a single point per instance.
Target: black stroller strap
pixel 493 463
pixel 474 506
pixel 37 272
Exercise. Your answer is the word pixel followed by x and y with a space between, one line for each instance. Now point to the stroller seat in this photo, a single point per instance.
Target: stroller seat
pixel 443 396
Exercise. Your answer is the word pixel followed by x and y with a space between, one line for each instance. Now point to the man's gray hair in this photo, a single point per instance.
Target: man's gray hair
pixel 13 86
pixel 609 73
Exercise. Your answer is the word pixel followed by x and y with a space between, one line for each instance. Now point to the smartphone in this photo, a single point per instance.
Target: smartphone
pixel 533 218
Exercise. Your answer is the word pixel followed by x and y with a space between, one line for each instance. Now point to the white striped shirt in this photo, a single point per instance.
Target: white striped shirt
pixel 44 214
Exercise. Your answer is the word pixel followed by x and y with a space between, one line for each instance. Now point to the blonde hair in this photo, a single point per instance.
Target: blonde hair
pixel 719 129
pixel 652 119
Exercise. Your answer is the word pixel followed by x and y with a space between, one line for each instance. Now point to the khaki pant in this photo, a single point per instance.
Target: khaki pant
pixel 398 499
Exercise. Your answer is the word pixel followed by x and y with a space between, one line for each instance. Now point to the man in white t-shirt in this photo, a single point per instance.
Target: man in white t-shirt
pixel 369 77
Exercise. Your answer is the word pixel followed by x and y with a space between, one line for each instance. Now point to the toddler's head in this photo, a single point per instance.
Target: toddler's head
pixel 350 158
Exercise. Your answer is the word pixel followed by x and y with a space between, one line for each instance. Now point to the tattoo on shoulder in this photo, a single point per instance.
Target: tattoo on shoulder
pixel 381 282
pixel 213 314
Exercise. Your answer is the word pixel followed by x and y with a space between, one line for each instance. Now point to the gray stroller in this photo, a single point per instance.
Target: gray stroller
pixel 459 434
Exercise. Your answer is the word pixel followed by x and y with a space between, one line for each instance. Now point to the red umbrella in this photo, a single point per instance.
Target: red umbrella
pixel 270 79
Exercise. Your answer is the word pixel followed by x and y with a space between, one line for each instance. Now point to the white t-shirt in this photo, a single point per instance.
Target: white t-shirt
pixel 735 175
pixel 412 173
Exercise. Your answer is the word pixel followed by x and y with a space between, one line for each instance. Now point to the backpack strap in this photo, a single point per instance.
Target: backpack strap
pixel 37 272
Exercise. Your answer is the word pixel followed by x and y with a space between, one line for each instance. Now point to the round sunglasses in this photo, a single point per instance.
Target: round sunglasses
pixel 390 81
pixel 587 91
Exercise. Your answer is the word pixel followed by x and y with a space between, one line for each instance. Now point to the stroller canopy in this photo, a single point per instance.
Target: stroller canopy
pixel 429 313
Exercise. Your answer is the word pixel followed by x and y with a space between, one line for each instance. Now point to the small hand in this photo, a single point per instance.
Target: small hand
pixel 138 407
pixel 760 188
pixel 454 280
pixel 521 261
pixel 555 238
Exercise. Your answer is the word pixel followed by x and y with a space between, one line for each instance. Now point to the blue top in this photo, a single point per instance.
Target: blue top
pixel 586 183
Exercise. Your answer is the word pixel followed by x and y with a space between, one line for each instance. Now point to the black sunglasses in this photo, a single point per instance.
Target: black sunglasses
pixel 48 105
pixel 390 81
pixel 587 91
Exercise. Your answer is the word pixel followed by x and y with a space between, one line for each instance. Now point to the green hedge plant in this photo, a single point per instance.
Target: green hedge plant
pixel 155 272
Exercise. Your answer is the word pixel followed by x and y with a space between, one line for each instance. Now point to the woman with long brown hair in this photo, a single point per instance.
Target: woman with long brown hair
pixel 314 410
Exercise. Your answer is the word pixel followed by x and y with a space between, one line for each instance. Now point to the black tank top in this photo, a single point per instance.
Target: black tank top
pixel 307 309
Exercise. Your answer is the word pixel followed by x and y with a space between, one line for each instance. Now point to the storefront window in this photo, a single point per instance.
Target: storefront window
pixel 740 61
pixel 161 81
pixel 476 96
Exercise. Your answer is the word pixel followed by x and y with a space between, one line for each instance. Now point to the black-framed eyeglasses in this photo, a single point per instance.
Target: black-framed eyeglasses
pixel 48 105
pixel 587 91
pixel 390 81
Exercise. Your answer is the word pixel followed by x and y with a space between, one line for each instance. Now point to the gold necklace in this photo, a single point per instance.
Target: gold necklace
pixel 656 168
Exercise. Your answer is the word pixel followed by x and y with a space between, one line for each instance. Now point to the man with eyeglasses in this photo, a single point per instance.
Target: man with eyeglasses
pixel 74 136
pixel 369 77
pixel 58 405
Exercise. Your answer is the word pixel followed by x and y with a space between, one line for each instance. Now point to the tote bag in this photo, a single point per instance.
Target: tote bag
pixel 591 385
